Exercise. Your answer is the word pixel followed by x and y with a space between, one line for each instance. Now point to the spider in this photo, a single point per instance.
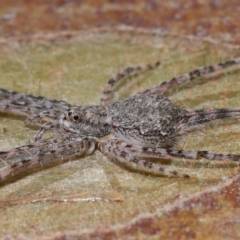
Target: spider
pixel 131 130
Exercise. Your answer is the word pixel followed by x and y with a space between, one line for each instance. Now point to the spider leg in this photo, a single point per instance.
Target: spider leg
pixel 127 153
pixel 50 114
pixel 188 77
pixel 202 116
pixel 188 154
pixel 26 105
pixel 60 151
pixel 108 89
pixel 36 147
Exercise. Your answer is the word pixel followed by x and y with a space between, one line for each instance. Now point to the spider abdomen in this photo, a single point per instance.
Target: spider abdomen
pixel 149 120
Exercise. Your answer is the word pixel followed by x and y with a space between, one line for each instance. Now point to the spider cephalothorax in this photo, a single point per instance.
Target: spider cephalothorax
pixel 145 125
pixel 86 121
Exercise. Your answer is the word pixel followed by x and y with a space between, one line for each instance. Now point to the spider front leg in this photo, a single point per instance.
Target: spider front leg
pixel 63 149
pixel 51 114
pixel 108 90
pixel 188 77
pixel 27 105
pixel 128 153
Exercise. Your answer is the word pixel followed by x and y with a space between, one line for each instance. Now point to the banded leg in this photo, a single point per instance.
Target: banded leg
pixel 108 90
pixel 125 153
pixel 188 77
pixel 59 152
pixel 202 116
pixel 26 105
pixel 37 147
pixel 187 154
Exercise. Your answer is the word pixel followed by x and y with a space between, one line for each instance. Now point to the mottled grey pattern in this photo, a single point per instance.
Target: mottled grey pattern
pixel 146 120
pixel 142 126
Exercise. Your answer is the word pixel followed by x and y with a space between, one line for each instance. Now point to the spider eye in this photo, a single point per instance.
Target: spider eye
pixel 69 113
pixel 75 117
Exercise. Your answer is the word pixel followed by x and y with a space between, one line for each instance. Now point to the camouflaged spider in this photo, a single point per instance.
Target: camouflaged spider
pixel 145 125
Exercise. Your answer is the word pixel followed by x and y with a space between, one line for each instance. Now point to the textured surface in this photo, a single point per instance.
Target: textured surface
pixel 146 120
pixel 217 19
pixel 54 201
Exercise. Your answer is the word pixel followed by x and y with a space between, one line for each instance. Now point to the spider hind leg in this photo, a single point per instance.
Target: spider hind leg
pixel 189 77
pixel 193 119
pixel 128 154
